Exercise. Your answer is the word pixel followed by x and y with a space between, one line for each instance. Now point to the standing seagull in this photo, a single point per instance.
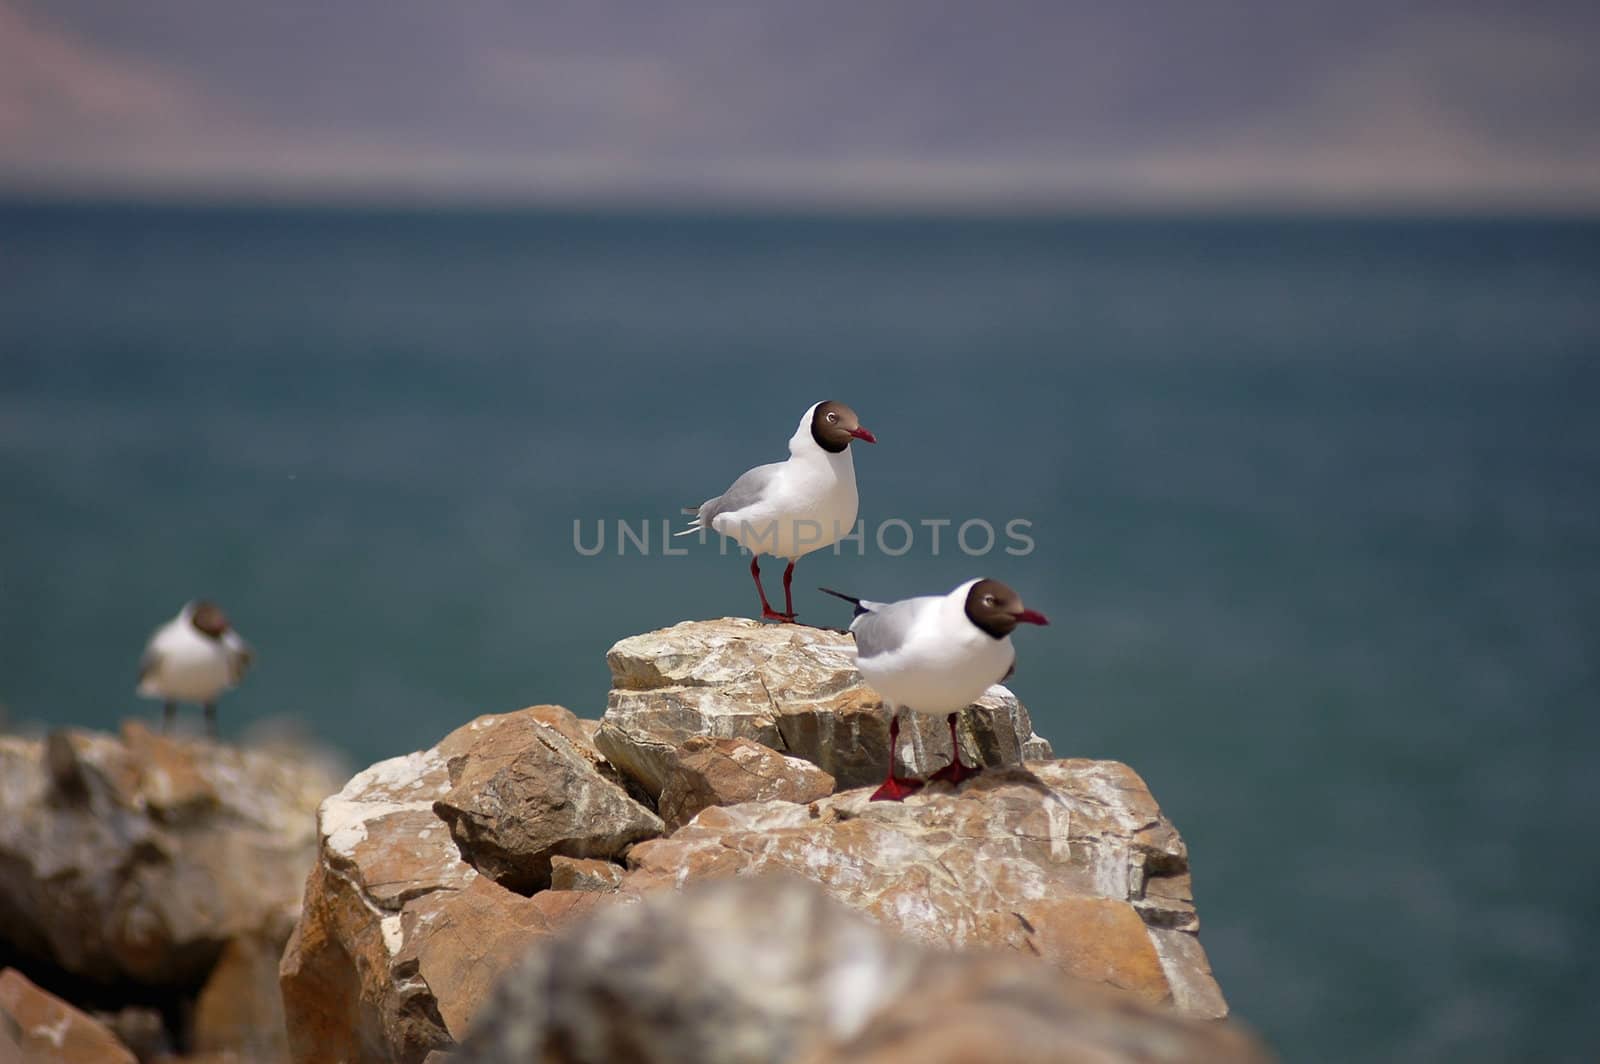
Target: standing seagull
pixel 936 654
pixel 193 658
pixel 789 509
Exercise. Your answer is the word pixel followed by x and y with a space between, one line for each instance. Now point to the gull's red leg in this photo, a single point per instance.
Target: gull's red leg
pixel 894 789
pixel 788 595
pixel 767 612
pixel 955 771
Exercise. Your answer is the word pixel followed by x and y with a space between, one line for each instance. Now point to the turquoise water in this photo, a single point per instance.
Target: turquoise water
pixel 1314 505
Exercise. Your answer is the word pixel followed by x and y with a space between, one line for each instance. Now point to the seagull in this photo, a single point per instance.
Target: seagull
pixel 193 658
pixel 936 654
pixel 789 509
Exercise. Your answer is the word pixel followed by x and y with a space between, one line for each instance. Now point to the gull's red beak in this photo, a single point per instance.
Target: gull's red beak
pixel 1032 617
pixel 863 434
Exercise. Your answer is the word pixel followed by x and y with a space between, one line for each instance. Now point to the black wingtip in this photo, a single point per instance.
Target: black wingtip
pixel 860 609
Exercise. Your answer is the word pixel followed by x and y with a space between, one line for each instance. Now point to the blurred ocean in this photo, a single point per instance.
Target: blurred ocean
pixel 1314 502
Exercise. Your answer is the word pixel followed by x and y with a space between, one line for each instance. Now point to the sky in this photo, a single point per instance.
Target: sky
pixel 1009 102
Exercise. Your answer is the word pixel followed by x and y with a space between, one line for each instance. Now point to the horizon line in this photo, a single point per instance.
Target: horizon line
pixel 379 198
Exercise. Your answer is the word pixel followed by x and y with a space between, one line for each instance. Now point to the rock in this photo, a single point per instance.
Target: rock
pixel 240 1010
pixel 768 969
pixel 399 934
pixel 711 772
pixel 791 688
pixel 524 792
pixel 136 859
pixel 460 946
pixel 1068 860
pixel 583 873
pixel 39 1028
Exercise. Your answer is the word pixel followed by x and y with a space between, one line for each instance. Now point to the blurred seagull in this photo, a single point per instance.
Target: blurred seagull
pixel 936 654
pixel 789 509
pixel 193 658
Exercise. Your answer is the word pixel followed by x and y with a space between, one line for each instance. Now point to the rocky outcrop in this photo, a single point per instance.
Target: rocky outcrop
pixel 790 688
pixel 37 1027
pixel 1063 874
pixel 708 772
pixel 133 865
pixel 762 969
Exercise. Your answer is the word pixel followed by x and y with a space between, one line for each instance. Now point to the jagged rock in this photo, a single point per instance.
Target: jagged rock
pixel 399 934
pixel 138 858
pixel 1068 860
pixel 763 969
pixel 37 1027
pixel 791 688
pixel 584 873
pixel 524 793
pixel 711 772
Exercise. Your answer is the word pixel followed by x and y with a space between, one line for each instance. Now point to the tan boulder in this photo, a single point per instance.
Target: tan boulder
pixel 36 1027
pixel 791 688
pixel 711 772
pixel 1071 861
pixel 524 793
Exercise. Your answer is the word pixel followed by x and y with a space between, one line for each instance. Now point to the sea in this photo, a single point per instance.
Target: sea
pixel 1312 503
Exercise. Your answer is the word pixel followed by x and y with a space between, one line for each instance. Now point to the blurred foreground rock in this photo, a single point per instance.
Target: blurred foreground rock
pixel 130 864
pixel 1064 871
pixel 768 969
pixel 790 688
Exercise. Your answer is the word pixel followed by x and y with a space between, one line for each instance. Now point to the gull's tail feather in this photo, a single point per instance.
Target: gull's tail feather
pixel 695 524
pixel 861 605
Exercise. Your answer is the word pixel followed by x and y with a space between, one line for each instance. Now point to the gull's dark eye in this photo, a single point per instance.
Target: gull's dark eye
pixel 988 600
pixel 832 416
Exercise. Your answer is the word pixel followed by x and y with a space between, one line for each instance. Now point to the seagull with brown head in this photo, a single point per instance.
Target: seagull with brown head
pixel 789 509
pixel 937 654
pixel 194 658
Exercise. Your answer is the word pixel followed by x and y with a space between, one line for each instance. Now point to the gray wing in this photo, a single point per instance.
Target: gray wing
pixel 750 486
pixel 884 630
